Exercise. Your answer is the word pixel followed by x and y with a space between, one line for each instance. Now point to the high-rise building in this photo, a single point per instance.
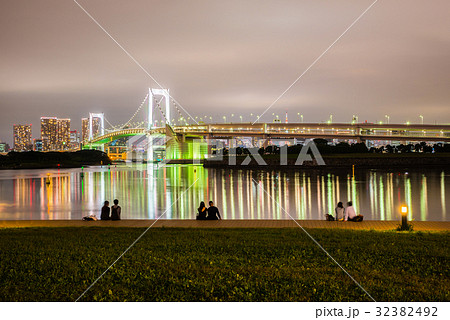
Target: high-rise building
pixel 63 135
pixel 74 140
pixel 55 134
pixel 95 126
pixel 22 137
pixel 49 129
pixel 84 129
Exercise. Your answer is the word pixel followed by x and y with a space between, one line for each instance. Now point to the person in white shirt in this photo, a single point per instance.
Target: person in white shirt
pixel 350 213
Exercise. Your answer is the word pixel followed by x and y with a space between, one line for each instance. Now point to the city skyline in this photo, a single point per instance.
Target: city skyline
pixel 234 58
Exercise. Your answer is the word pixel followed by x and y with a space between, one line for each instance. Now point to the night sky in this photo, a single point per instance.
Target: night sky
pixel 223 57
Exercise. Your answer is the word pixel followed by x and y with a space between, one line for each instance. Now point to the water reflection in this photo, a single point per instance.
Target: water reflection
pixel 147 193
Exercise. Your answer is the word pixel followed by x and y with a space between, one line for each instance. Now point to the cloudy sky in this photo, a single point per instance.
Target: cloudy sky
pixel 224 57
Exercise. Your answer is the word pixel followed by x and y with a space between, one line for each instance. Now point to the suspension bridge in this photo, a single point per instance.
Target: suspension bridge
pixel 159 127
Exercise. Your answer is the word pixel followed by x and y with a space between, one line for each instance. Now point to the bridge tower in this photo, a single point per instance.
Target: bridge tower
pixel 101 129
pixel 152 93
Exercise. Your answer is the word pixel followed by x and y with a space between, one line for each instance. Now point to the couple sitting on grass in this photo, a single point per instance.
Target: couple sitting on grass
pixel 212 213
pixel 345 214
pixel 116 210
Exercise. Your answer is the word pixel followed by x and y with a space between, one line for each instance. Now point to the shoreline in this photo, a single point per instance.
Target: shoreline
pixel 234 224
pixel 341 161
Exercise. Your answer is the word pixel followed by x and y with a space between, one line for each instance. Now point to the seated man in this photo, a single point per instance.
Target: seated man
pixel 350 213
pixel 104 215
pixel 213 212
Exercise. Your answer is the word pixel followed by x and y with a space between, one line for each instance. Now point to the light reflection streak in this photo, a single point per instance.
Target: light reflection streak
pixel 408 197
pixel 443 206
pixel 145 193
pixel 423 199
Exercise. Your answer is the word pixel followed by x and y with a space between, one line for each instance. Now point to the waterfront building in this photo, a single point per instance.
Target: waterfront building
pixel 22 137
pixel 75 140
pixel 55 134
pixel 49 129
pixel 117 152
pixel 4 147
pixel 84 129
pixel 37 145
pixel 63 135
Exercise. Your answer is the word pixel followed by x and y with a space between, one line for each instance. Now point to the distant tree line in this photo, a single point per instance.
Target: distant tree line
pixel 344 147
pixel 33 159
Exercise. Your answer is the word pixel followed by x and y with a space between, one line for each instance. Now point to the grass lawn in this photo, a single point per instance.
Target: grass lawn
pixel 58 264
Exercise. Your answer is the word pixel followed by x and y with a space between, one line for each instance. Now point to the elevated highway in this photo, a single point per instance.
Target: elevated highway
pixel 342 131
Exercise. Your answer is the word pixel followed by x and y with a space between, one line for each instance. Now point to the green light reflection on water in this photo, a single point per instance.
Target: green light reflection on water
pixel 423 199
pixel 408 197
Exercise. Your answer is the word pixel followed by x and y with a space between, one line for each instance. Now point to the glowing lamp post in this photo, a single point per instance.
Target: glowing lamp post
pixel 404 211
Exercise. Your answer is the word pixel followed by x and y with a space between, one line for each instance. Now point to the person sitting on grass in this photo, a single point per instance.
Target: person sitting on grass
pixel 213 212
pixel 350 213
pixel 116 210
pixel 202 211
pixel 340 211
pixel 105 211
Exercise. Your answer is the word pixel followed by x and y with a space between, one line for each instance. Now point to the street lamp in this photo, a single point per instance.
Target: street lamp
pixel 387 117
pixel 421 118
pixel 224 119
pixel 404 211
pixel 331 118
pixel 241 118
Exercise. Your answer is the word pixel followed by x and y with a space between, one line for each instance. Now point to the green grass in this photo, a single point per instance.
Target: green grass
pixel 58 264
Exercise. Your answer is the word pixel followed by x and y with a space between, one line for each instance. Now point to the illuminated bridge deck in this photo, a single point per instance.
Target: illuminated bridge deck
pixel 344 131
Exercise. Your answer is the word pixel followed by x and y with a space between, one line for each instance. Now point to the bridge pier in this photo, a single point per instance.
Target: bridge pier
pixel 266 141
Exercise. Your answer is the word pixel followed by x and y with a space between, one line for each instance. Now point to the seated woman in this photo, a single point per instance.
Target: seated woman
pixel 116 210
pixel 340 211
pixel 201 211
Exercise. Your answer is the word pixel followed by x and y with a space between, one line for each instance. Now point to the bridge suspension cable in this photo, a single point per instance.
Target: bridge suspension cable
pixel 110 124
pixel 158 104
pixel 138 109
pixel 179 112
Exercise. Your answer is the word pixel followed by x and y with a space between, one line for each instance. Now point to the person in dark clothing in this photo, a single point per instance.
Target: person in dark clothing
pixel 340 211
pixel 116 210
pixel 202 211
pixel 105 211
pixel 213 212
